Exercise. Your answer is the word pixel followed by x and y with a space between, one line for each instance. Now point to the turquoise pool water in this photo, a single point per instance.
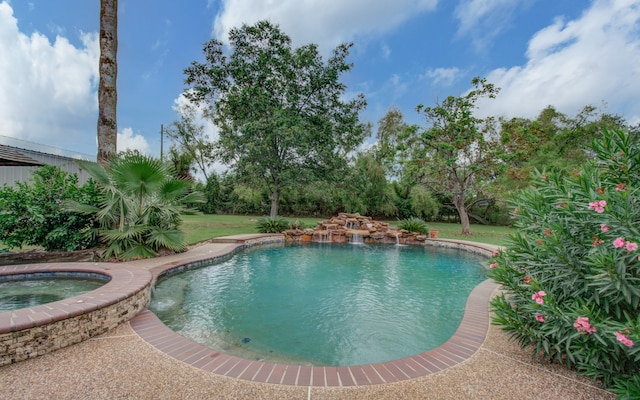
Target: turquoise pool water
pixel 16 294
pixel 323 304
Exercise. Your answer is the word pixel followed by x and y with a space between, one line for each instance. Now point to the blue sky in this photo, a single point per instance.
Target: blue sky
pixel 407 52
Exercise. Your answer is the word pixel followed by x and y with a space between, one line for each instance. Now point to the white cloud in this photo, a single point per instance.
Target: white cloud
pixel 47 90
pixel 483 20
pixel 324 22
pixel 591 59
pixel 443 76
pixel 127 140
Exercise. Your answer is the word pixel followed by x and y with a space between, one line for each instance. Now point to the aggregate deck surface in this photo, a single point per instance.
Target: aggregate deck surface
pixel 122 365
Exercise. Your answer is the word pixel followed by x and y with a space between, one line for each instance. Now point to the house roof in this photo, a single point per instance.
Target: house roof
pixel 9 156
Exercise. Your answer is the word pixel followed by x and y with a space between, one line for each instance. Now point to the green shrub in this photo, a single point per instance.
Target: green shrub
pixel 297 224
pixel 31 212
pixel 423 203
pixel 414 224
pixel 140 204
pixel 272 225
pixel 571 273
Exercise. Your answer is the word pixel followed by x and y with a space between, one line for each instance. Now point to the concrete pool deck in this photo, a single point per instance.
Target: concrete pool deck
pixel 121 364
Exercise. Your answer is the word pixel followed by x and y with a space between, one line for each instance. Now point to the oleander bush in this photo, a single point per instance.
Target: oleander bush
pixel 571 272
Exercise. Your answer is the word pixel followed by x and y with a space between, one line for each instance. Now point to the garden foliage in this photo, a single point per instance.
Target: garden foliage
pixel 140 203
pixel 571 273
pixel 414 224
pixel 272 225
pixel 31 213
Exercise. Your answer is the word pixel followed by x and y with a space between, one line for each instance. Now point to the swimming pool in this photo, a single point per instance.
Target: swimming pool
pixel 317 304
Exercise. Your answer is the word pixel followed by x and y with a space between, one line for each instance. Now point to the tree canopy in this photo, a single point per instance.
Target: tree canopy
pixel 280 110
pixel 456 151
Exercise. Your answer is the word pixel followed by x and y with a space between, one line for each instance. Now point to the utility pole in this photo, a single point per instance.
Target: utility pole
pixel 161 140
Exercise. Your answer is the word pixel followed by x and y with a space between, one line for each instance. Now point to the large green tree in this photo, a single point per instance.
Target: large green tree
pixel 455 154
pixel 280 110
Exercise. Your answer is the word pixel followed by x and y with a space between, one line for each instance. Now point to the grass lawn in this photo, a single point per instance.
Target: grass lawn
pixel 202 227
pixel 198 228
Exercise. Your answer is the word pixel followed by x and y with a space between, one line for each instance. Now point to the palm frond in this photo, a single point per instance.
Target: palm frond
pixel 96 171
pixel 134 232
pixel 172 239
pixel 138 250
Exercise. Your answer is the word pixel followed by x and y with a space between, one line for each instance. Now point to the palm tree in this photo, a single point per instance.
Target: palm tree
pixel 141 202
pixel 107 92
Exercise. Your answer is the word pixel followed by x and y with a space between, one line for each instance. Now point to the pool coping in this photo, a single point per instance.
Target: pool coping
pixel 32 331
pixel 465 342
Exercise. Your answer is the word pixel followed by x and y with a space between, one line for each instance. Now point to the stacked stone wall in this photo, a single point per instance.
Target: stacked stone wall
pixel 31 342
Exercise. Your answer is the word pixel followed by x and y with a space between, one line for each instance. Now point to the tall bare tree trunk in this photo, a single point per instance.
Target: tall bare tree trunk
pixel 107 91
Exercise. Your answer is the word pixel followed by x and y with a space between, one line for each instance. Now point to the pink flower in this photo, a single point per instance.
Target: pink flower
pixel 493 265
pixel 538 297
pixel 598 206
pixel 540 318
pixel 620 187
pixel 495 253
pixel 582 325
pixel 604 228
pixel 624 339
pixel 618 243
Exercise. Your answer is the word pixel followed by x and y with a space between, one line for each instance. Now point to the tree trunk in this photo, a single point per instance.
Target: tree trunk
pixel 464 215
pixel 107 91
pixel 275 198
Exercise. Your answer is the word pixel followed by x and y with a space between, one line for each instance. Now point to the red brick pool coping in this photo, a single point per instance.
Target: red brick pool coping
pixel 467 339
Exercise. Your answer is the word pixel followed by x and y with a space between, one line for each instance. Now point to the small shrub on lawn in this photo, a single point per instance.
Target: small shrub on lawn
pixel 571 272
pixel 297 224
pixel 414 224
pixel 272 225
